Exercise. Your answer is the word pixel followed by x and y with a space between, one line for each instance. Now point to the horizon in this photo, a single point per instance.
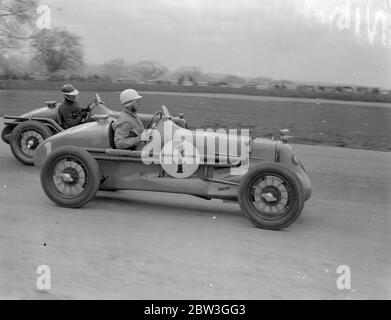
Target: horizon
pixel 219 76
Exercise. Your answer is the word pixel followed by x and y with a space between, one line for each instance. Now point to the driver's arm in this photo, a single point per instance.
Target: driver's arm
pixel 125 136
pixel 72 115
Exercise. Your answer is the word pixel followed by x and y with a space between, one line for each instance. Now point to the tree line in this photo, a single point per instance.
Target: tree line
pixel 58 53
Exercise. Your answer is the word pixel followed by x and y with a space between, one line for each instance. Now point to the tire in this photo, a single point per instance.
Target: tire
pixel 28 131
pixel 271 196
pixel 70 162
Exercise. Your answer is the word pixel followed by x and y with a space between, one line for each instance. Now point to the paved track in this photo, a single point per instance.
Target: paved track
pixel 141 245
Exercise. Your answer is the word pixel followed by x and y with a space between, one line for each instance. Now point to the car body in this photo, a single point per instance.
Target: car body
pixel 24 133
pixel 271 190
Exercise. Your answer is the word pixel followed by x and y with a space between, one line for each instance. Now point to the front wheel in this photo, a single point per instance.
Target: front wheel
pixel 26 138
pixel 70 177
pixel 271 196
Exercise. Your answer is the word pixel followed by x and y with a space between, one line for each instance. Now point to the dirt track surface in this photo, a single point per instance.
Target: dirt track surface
pixel 139 245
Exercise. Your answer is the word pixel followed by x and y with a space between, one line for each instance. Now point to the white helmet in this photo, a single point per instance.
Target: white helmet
pixel 128 95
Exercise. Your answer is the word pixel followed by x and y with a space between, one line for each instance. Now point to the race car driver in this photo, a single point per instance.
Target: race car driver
pixel 71 112
pixel 128 128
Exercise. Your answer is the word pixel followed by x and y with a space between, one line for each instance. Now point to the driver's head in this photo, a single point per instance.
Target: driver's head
pixel 130 100
pixel 69 91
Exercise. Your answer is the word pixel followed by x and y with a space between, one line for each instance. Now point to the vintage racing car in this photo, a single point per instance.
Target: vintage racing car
pixel 78 162
pixel 24 133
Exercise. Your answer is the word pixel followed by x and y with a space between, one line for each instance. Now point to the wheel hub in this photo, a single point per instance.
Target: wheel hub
pixel 270 195
pixel 29 141
pixel 66 177
pixel 69 177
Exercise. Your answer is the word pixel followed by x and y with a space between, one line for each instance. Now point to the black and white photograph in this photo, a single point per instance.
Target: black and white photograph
pixel 195 150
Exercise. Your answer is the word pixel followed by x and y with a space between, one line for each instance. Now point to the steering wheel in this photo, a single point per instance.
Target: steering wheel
pixel 155 119
pixel 91 103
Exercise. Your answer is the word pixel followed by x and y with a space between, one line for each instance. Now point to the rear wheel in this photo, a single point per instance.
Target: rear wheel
pixel 26 138
pixel 271 196
pixel 70 177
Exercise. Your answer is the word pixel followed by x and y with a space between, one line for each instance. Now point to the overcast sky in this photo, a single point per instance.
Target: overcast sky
pixel 282 39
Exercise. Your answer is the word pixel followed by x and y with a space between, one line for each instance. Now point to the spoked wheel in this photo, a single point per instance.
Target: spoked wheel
pixel 26 138
pixel 70 177
pixel 271 196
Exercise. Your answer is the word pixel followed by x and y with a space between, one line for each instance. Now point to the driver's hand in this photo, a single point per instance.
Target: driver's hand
pixel 84 113
pixel 146 135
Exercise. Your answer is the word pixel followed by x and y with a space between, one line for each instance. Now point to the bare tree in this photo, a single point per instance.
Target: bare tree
pixel 16 21
pixel 148 70
pixel 57 50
